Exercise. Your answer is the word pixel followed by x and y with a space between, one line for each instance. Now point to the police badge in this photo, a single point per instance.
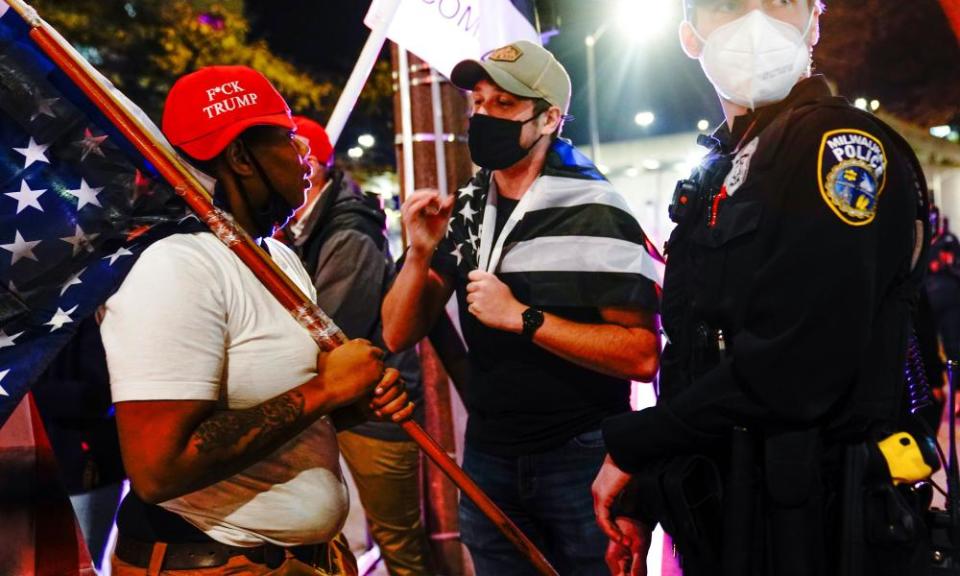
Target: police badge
pixel 851 172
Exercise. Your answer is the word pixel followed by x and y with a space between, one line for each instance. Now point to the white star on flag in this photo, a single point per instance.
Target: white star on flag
pixel 34 152
pixel 468 190
pixel 473 238
pixel 44 107
pixel 456 252
pixel 80 240
pixel 73 280
pixel 467 212
pixel 61 318
pixel 6 341
pixel 90 143
pixel 26 198
pixel 3 375
pixel 118 254
pixel 86 195
pixel 20 248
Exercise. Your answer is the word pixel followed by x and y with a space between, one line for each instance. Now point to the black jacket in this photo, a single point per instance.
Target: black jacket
pixel 801 259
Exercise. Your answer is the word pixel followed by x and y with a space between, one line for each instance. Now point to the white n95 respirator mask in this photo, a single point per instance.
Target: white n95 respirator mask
pixel 756 59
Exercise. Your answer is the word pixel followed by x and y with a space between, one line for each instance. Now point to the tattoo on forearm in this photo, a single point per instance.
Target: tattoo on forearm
pixel 255 426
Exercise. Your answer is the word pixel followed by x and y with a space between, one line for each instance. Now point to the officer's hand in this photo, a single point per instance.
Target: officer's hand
pixel 492 302
pixel 425 216
pixel 629 559
pixel 350 371
pixel 608 484
pixel 390 402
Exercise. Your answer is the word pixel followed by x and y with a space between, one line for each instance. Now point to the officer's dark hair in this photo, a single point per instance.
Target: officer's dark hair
pixel 690 5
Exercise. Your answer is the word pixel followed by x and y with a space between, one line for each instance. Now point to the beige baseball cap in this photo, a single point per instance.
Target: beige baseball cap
pixel 521 68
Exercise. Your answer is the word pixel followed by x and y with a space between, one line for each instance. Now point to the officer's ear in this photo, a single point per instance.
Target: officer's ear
pixel 237 159
pixel 815 25
pixel 689 41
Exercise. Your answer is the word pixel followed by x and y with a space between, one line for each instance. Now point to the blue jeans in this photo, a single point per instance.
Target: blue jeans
pixel 548 496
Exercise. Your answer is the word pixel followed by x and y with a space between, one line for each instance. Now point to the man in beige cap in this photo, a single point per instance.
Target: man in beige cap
pixel 557 302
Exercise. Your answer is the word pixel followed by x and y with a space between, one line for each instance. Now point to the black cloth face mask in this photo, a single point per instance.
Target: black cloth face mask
pixel 495 142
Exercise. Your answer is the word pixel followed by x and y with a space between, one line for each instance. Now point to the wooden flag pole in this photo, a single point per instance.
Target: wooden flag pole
pixel 321 327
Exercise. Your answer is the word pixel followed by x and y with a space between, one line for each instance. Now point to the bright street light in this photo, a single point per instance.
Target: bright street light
pixel 940 131
pixel 643 20
pixel 874 105
pixel 860 103
pixel 355 152
pixel 703 125
pixel 366 140
pixel 644 119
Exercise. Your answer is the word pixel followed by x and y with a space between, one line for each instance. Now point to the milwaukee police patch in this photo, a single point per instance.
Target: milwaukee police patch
pixel 852 172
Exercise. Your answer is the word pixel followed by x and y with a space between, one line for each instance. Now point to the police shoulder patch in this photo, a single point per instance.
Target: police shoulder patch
pixel 852 171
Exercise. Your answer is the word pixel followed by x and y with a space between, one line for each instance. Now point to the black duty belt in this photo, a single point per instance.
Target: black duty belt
pixel 190 555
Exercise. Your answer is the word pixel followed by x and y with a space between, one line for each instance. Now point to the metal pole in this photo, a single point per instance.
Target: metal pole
pixel 361 70
pixel 439 141
pixel 590 41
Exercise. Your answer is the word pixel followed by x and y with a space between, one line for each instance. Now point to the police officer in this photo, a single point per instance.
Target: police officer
pixel 785 307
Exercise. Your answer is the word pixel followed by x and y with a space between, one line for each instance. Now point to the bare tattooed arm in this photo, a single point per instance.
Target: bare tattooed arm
pixel 173 447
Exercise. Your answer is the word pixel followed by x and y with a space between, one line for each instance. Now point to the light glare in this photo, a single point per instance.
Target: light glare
pixel 860 103
pixel 644 118
pixel 703 125
pixel 643 20
pixel 355 152
pixel 940 131
pixel 366 140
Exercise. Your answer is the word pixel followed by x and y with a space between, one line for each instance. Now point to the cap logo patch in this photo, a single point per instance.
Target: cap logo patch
pixel 228 97
pixel 852 173
pixel 506 54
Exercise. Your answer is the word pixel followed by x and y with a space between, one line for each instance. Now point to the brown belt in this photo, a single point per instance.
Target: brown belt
pixel 188 555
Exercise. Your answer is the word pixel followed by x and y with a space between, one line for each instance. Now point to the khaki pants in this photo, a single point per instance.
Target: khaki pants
pixel 387 475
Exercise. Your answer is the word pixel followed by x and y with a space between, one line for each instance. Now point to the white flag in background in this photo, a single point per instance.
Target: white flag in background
pixel 444 32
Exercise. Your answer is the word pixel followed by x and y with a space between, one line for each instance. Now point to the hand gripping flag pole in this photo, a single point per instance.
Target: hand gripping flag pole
pixel 321 327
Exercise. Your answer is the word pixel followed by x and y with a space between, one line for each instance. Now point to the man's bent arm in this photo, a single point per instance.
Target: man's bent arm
pixel 626 345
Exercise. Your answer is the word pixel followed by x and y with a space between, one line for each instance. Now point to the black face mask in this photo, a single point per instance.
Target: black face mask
pixel 495 142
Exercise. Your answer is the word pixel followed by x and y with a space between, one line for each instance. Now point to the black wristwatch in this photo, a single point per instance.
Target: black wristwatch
pixel 532 319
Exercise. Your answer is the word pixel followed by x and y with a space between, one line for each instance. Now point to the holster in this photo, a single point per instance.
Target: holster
pixel 692 491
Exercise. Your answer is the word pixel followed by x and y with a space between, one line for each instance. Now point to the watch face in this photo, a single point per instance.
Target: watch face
pixel 532 319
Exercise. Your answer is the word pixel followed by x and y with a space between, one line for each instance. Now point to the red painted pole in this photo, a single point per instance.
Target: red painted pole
pixel 321 327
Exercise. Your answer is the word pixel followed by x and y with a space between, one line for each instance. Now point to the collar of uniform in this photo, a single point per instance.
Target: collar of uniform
pixel 807 90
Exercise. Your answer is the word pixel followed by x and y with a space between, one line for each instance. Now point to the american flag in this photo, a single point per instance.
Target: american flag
pixel 78 204
pixel 572 240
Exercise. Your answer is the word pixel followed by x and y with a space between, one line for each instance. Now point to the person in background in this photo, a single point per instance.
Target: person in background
pixel 340 236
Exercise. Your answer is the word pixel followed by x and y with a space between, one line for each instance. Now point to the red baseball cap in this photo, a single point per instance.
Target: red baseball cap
pixel 205 110
pixel 316 136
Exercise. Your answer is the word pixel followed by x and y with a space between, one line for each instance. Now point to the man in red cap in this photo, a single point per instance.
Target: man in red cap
pixel 340 235
pixel 221 397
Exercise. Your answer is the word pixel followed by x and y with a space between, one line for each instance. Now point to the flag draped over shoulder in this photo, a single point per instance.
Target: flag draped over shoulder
pixel 78 204
pixel 572 238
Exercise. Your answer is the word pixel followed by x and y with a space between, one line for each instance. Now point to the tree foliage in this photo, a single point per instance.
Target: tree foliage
pixel 143 46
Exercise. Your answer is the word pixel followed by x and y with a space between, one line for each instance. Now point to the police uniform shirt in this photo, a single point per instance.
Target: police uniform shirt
pixel 796 260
